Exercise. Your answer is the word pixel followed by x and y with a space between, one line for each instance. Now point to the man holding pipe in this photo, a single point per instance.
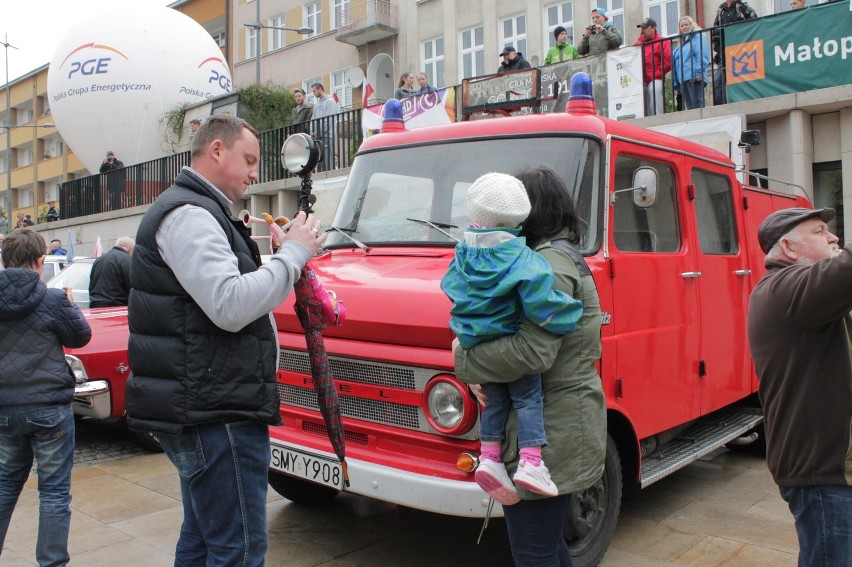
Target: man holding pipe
pixel 203 345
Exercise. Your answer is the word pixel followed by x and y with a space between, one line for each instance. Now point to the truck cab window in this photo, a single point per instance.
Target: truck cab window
pixel 652 228
pixel 714 211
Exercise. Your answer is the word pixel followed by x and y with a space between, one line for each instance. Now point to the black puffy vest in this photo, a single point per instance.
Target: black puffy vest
pixel 185 369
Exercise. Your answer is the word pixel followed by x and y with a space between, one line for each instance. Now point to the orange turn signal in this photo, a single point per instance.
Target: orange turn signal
pixel 467 462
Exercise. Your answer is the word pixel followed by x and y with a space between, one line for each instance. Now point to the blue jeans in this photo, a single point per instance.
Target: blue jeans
pixel 45 432
pixel 525 395
pixel 823 516
pixel 535 532
pixel 223 470
pixel 693 94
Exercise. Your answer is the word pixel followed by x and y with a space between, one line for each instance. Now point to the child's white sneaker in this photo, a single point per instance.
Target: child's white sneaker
pixel 492 477
pixel 535 479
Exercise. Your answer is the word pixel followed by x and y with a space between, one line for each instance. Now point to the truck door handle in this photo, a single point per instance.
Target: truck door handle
pixel 691 275
pixel 742 272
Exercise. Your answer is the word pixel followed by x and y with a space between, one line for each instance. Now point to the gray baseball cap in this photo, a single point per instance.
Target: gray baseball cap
pixel 781 222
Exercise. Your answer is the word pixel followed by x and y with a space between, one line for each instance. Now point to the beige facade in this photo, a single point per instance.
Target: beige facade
pixel 807 136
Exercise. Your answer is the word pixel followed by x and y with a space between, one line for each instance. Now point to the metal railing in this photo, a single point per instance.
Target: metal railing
pixel 142 183
pixel 366 14
pixel 679 89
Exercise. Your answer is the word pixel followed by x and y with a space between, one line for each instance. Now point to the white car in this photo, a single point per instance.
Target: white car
pixel 74 275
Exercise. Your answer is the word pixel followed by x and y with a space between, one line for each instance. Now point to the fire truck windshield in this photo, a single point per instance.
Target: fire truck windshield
pixel 417 195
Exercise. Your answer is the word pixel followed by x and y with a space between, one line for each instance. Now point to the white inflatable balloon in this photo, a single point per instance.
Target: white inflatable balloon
pixel 115 75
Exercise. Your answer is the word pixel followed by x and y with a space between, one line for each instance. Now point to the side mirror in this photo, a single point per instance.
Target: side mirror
pixel 645 185
pixel 749 138
pixel 644 188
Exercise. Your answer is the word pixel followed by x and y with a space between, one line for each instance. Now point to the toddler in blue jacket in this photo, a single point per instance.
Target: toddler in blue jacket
pixel 493 280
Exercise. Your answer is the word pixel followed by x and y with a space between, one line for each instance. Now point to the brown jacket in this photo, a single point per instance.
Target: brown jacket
pixel 799 328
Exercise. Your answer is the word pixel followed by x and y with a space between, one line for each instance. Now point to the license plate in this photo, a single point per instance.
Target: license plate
pixel 315 468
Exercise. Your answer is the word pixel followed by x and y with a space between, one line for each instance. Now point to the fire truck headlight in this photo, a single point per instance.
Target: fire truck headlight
pixel 77 368
pixel 448 406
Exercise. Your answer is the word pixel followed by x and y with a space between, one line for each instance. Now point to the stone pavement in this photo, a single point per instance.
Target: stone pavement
pixel 723 510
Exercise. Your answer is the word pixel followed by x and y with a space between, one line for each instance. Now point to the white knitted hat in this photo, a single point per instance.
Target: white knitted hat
pixel 496 200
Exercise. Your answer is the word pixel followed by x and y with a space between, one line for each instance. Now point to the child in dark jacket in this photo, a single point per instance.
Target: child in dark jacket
pixel 36 388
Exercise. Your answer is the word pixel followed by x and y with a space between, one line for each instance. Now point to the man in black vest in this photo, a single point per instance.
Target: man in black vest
pixel 203 347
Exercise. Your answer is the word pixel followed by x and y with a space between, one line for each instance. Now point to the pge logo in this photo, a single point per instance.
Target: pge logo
pixel 218 77
pixel 745 62
pixel 94 66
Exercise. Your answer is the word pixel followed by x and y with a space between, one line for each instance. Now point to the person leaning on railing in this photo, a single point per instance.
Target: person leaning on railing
pixel 689 63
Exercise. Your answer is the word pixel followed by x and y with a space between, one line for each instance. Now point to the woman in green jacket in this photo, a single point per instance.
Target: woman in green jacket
pixel 563 50
pixel 574 403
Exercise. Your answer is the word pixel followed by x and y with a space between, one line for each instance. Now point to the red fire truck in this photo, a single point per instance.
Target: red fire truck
pixel 671 241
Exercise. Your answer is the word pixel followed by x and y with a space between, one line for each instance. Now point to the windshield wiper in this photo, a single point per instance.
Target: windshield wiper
pixel 343 231
pixel 438 226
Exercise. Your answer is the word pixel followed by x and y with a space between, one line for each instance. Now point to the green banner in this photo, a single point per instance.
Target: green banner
pixel 796 51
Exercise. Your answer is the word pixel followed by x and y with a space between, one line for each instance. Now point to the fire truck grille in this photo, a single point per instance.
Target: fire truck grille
pixel 374 373
pixel 397 415
pixel 362 372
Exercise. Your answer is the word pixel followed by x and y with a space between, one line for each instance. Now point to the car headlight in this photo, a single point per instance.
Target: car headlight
pixel 448 406
pixel 77 368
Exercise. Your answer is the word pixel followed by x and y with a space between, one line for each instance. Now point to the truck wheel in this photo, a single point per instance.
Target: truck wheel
pixel 300 491
pixel 593 513
pixel 148 440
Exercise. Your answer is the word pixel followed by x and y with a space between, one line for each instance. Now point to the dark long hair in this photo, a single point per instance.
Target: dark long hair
pixel 552 206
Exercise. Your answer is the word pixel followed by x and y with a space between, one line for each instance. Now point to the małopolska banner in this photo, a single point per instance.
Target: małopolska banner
pixel 791 52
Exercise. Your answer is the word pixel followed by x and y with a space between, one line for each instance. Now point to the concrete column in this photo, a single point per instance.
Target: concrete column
pixel 790 150
pixel 846 165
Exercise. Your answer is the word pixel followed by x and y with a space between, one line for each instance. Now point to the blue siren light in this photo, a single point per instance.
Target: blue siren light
pixel 393 111
pixel 581 87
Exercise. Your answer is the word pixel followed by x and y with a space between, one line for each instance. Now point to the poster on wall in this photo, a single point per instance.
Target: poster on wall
pixel 624 81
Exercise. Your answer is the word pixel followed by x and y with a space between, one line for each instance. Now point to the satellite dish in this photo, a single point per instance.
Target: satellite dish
pixel 353 76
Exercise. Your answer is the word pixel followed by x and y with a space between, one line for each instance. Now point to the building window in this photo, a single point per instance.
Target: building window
pixel 25 198
pixel 615 13
pixel 472 52
pixel 778 6
pixel 666 13
pixel 251 43
pixel 25 116
pixel 342 89
pixel 220 38
pixel 828 192
pixel 313 18
pixel 338 16
pixel 561 14
pixel 514 32
pixel 432 55
pixel 276 37
pixel 25 156
pixel 306 86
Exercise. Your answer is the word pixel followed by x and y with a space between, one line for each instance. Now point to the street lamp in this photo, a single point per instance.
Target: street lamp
pixel 258 26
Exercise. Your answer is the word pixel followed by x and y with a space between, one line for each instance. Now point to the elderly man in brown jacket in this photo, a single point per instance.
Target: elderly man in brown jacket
pixel 799 329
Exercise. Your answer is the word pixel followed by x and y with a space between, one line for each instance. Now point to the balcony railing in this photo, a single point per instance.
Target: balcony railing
pixel 369 21
pixel 142 183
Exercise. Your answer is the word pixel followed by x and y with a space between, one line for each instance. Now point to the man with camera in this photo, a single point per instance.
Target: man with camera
pixel 114 179
pixel 599 37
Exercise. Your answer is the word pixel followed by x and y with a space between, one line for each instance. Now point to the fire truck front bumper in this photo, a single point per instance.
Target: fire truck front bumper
pixel 401 487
